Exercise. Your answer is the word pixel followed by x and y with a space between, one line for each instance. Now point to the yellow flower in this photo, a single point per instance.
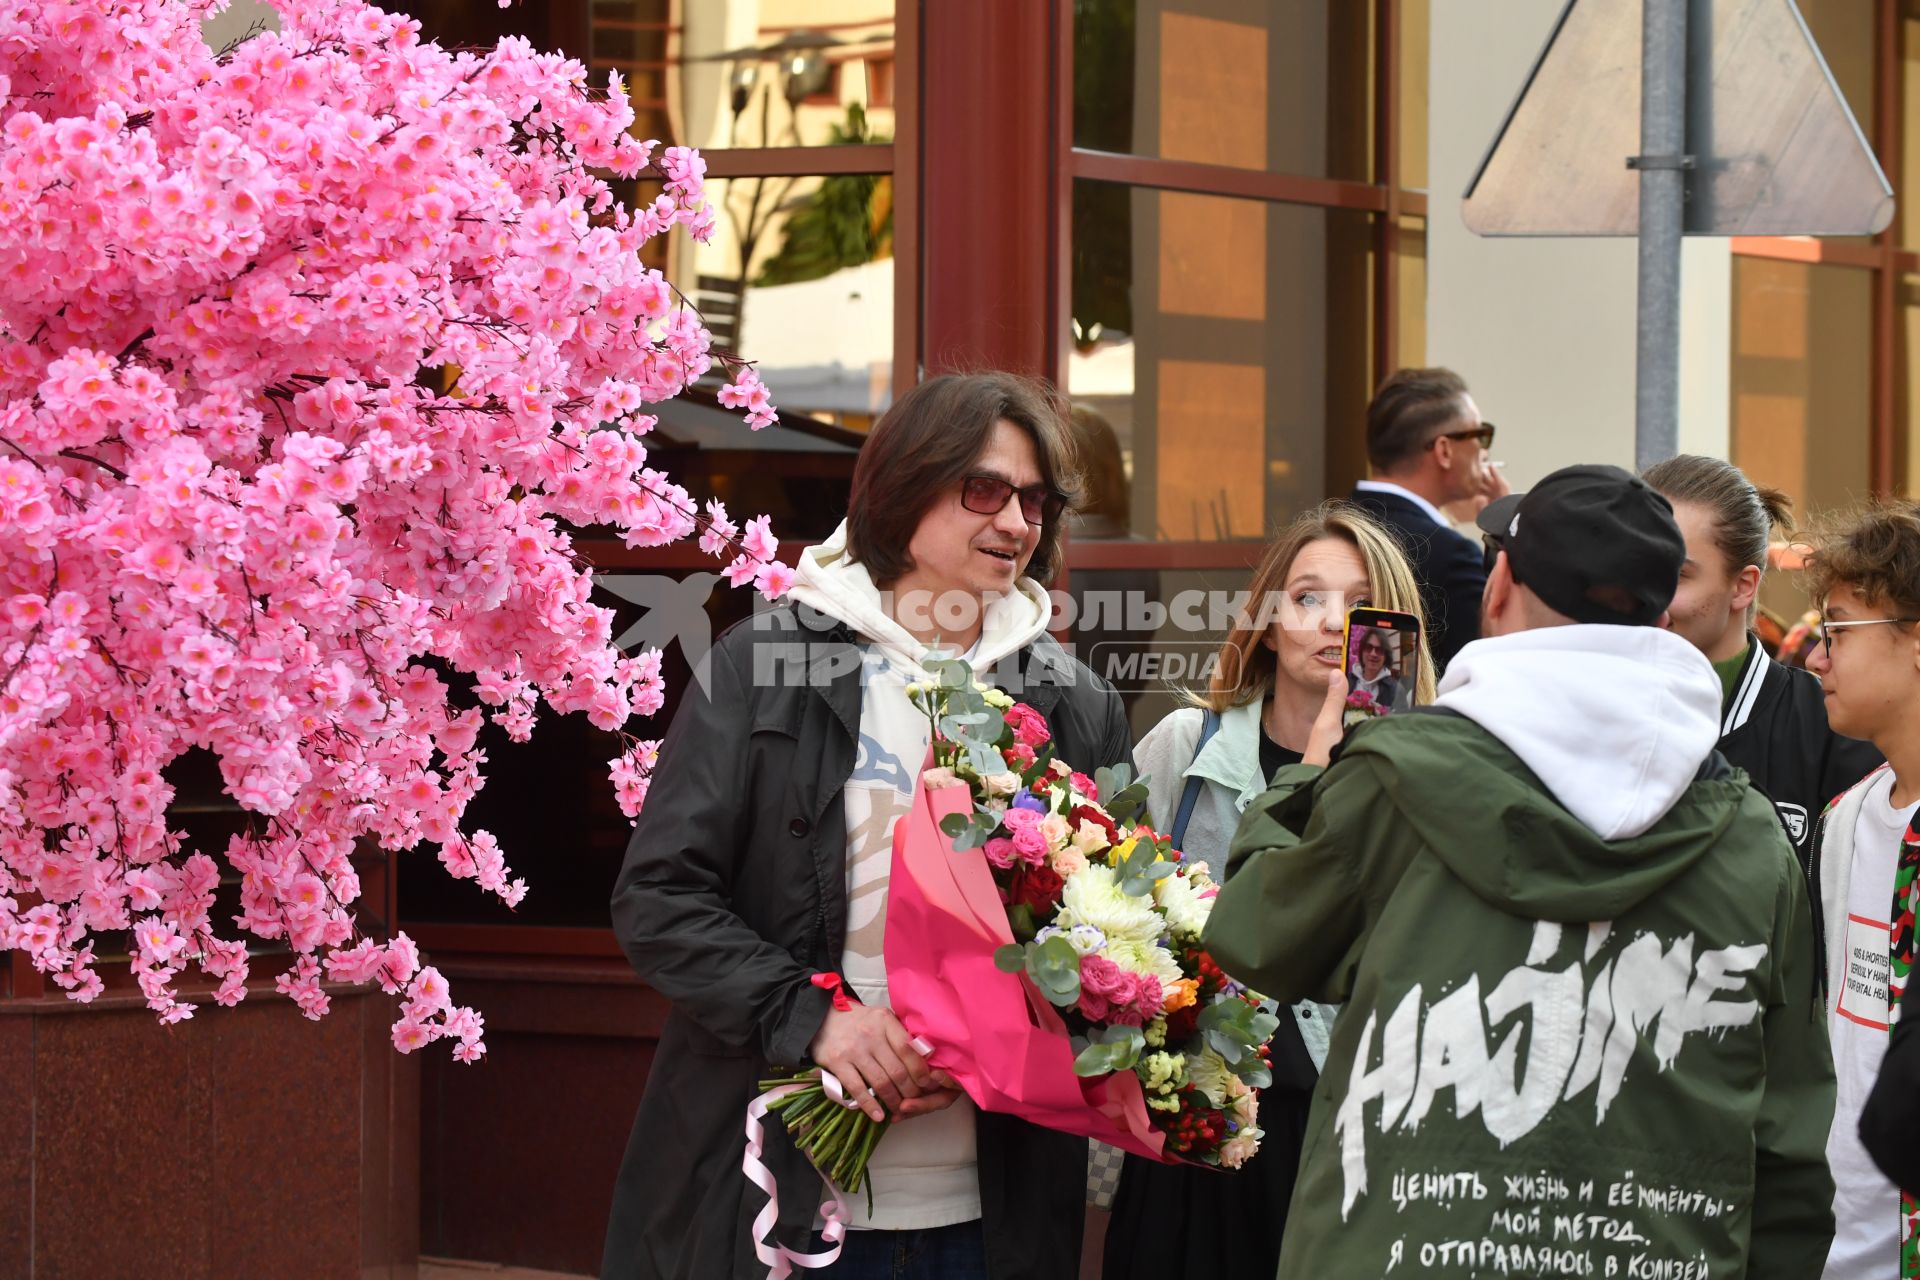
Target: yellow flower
pixel 1120 852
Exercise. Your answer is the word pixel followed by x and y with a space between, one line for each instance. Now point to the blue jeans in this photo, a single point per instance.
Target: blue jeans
pixel 958 1252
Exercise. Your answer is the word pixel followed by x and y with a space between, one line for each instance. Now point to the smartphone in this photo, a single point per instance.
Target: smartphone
pixel 1383 662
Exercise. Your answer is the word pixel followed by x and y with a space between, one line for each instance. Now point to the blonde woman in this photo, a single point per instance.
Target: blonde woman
pixel 1277 693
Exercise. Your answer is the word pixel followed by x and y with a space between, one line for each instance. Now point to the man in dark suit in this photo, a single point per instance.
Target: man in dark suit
pixel 1428 446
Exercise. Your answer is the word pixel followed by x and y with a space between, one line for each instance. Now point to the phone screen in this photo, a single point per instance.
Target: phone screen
pixel 1383 663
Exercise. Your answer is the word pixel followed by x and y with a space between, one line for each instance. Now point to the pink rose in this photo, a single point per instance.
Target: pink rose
pixel 1084 785
pixel 1018 820
pixel 1029 726
pixel 1001 852
pixel 1106 989
pixel 1031 844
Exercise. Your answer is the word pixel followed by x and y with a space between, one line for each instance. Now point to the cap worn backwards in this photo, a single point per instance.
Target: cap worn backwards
pixel 1595 543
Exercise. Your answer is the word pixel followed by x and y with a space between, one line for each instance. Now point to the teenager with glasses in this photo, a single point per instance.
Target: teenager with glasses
pixel 1865 576
pixel 1773 720
pixel 1429 448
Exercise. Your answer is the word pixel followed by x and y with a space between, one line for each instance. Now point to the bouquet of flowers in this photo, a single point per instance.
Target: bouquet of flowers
pixel 1112 1020
pixel 1361 707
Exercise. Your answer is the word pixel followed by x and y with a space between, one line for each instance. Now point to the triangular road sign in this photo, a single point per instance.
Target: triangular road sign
pixel 1775 149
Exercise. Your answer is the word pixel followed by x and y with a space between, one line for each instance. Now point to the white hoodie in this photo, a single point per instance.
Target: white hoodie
pixel 1615 721
pixel 924 1171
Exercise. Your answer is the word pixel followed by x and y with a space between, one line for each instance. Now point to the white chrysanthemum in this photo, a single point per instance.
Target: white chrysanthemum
pixel 1144 958
pixel 994 698
pixel 1094 897
pixel 1207 1072
pixel 1185 909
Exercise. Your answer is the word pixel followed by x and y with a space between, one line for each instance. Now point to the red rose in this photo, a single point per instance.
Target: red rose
pixel 1087 813
pixel 1039 887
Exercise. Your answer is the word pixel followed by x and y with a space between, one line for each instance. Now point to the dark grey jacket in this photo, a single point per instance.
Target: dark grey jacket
pixel 734 893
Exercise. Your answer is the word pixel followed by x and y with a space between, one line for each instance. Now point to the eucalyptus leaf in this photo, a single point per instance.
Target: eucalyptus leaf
pixel 1095 1060
pixel 1011 958
pixel 969 837
pixel 954 823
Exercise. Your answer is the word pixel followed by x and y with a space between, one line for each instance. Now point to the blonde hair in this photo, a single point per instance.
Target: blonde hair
pixel 1238 677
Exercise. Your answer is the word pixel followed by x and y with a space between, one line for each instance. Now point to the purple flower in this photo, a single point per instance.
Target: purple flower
pixel 1025 799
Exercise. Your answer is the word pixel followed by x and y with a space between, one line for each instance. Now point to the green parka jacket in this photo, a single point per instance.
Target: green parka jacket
pixel 1559 1055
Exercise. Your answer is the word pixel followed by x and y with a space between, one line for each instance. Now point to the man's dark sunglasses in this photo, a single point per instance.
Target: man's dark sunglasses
pixel 987 496
pixel 1483 433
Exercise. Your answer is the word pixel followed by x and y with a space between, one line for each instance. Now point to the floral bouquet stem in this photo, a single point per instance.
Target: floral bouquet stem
pixel 837 1138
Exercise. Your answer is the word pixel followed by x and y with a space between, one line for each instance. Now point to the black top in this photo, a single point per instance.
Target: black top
pixel 1449 567
pixel 1774 726
pixel 1890 1122
pixel 1274 757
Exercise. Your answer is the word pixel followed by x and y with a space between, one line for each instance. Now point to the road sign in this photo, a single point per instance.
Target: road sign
pixel 1771 146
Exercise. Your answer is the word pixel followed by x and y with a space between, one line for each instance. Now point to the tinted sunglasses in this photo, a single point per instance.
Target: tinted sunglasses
pixel 987 496
pixel 1483 433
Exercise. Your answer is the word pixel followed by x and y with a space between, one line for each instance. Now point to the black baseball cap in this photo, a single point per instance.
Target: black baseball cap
pixel 1595 543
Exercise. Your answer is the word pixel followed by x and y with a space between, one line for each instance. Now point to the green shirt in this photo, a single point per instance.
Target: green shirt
pixel 1729 669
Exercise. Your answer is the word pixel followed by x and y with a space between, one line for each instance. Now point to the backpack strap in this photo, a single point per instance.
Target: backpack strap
pixel 1191 795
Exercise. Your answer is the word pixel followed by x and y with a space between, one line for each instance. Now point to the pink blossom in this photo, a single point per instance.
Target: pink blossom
pixel 242 509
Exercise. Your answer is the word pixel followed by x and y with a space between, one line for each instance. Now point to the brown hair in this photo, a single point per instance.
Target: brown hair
pixel 1744 514
pixel 1406 412
pixel 1876 551
pixel 929 440
pixel 1239 676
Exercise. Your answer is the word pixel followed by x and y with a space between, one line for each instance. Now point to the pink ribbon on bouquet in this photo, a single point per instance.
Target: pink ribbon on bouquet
pixel 781 1260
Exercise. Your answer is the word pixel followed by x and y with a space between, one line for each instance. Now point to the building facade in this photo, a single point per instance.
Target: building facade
pixel 1216 224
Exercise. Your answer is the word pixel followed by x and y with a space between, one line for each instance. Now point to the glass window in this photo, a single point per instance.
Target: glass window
pixel 751 73
pixel 798 277
pixel 1221 340
pixel 1909 195
pixel 1802 338
pixel 1844 31
pixel 1906 476
pixel 1276 85
pixel 1410 249
pixel 1414 35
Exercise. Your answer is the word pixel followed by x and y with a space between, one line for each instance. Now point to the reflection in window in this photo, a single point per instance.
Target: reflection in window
pixel 1802 338
pixel 1224 341
pixel 1276 85
pixel 749 73
pixel 798 278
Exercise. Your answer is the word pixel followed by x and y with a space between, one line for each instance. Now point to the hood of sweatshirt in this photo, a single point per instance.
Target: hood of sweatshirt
pixel 1615 721
pixel 1576 798
pixel 828 580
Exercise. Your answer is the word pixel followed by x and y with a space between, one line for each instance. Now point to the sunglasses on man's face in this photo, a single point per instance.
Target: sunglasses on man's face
pixel 1483 433
pixel 987 496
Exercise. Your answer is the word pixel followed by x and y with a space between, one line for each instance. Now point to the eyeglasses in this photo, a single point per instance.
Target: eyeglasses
pixel 1483 433
pixel 1828 628
pixel 987 496
pixel 1489 553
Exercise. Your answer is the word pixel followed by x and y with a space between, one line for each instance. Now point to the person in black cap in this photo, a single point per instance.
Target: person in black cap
pixel 1572 945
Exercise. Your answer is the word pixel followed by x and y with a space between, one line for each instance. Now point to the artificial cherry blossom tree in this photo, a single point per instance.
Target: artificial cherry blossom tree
pixel 311 351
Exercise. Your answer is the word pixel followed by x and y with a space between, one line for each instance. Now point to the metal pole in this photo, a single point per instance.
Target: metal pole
pixel 1663 142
